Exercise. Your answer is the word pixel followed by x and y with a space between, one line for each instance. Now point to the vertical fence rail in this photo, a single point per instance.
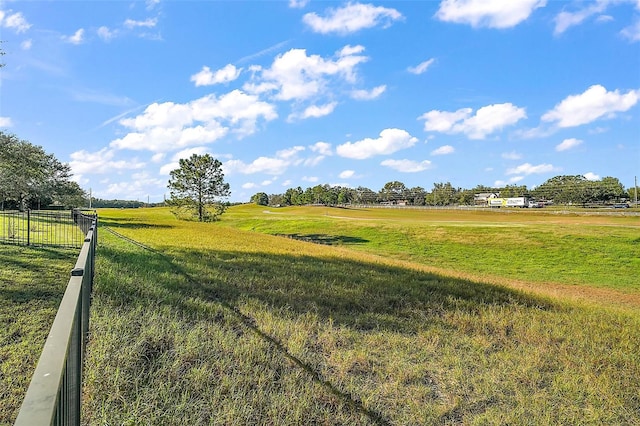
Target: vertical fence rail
pixel 57 228
pixel 54 394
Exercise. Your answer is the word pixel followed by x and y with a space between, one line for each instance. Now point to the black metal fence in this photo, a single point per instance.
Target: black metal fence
pixel 54 394
pixel 45 228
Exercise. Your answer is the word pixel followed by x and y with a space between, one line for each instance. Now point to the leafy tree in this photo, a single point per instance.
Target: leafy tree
pixel 195 186
pixel 514 191
pixel 345 195
pixel 294 197
pixel 261 199
pixel 466 197
pixel 563 189
pixel 393 191
pixel 276 200
pixel 30 177
pixel 364 195
pixel 609 189
pixel 633 193
pixel 442 194
pixel 417 196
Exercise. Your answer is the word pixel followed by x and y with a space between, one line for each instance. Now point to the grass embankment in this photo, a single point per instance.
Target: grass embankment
pixel 32 282
pixel 225 326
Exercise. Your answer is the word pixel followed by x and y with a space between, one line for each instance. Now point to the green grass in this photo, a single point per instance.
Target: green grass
pixel 32 282
pixel 538 247
pixel 220 325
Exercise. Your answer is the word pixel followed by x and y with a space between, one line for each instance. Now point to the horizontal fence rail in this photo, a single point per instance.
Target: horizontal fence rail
pixel 53 396
pixel 57 228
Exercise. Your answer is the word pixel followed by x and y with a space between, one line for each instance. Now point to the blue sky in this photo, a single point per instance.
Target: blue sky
pixel 300 93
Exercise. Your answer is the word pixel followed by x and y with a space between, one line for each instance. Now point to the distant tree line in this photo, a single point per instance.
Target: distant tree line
pixel 560 190
pixel 31 178
pixel 99 203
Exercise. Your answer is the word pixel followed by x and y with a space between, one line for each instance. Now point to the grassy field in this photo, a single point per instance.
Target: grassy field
pixel 396 318
pixel 32 282
pixel 595 250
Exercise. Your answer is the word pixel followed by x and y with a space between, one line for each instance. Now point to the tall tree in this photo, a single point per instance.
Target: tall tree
pixel 195 186
pixel 442 194
pixel 30 177
pixel 393 191
pixel 417 196
pixel 260 198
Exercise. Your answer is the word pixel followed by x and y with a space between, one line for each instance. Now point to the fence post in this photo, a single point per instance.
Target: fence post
pixel 28 227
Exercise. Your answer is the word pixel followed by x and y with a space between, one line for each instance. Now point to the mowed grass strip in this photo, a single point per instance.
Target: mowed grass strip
pixel 390 343
pixel 32 283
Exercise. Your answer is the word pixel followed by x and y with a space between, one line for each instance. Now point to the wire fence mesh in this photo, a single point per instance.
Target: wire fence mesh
pixel 45 228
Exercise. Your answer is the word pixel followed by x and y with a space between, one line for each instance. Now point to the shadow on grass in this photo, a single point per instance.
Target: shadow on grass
pixel 127 223
pixel 325 239
pixel 30 273
pixel 360 295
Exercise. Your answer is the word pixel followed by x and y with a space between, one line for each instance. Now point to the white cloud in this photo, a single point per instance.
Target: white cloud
pixel 528 169
pixel 294 75
pixel 156 158
pixel 487 120
pixel 290 153
pixel 270 166
pixel 511 155
pixel 323 148
pixel 390 141
pixel 224 75
pixel 298 4
pixel 422 67
pixel 84 162
pixel 366 95
pixel 15 21
pixel 351 18
pixel 151 4
pixel 346 174
pixel 311 179
pixel 568 144
pixel 137 188
pixel 313 161
pixel 276 165
pixel 567 19
pixel 632 32
pixel 487 13
pixel 591 176
pixel 26 44
pixel 5 122
pixel 443 150
pixel 187 153
pixel 249 185
pixel 76 38
pixel 106 34
pixel 169 126
pixel 407 166
pixel 315 111
pixel 596 102
pixel 147 23
pixel 604 18
pixel 564 20
pixel 443 121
